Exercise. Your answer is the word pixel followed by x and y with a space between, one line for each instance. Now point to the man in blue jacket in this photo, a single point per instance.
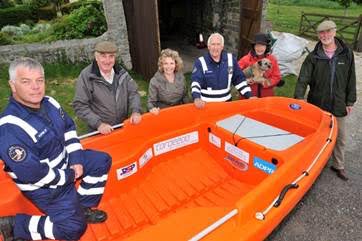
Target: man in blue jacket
pixel 42 154
pixel 214 73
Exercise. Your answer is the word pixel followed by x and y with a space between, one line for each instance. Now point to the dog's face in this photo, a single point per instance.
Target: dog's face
pixel 264 64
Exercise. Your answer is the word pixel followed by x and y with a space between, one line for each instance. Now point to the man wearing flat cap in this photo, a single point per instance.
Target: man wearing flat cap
pixel 329 71
pixel 105 92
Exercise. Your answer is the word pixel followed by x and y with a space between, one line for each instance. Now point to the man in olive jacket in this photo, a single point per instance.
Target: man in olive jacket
pixel 106 93
pixel 329 71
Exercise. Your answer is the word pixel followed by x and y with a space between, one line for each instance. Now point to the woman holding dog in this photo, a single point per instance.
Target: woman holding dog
pixel 260 50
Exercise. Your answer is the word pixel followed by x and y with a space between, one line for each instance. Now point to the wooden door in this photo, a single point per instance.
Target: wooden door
pixel 250 21
pixel 143 35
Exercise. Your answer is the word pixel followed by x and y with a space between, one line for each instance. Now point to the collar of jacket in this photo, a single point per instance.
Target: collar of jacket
pixel 319 52
pixel 95 69
pixel 23 110
pixel 223 57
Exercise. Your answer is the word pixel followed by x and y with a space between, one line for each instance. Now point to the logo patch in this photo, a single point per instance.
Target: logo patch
pixel 61 112
pixel 126 171
pixel 17 153
pixel 264 165
pixel 238 164
pixel 295 106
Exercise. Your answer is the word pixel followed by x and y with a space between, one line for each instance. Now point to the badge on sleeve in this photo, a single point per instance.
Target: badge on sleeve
pixel 61 112
pixel 16 153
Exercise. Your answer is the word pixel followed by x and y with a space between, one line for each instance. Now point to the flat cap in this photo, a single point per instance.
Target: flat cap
pixel 326 25
pixel 106 47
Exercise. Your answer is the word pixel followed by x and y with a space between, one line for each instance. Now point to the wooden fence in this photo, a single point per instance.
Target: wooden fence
pixel 348 28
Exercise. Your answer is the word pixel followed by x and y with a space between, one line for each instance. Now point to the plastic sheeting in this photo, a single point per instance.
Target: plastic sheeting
pixel 288 48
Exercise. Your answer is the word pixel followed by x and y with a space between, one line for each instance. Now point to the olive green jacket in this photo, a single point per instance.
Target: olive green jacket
pixel 332 82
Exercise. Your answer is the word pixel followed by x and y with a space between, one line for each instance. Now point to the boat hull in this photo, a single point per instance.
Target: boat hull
pixel 210 174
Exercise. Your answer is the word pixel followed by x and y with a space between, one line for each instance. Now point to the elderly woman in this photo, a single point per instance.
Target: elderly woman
pixel 167 87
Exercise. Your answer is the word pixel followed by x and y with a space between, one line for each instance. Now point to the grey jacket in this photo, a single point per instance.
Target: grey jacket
pixel 162 93
pixel 97 101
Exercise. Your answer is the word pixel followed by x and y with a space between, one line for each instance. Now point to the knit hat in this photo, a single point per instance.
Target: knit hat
pixel 106 47
pixel 326 25
pixel 261 38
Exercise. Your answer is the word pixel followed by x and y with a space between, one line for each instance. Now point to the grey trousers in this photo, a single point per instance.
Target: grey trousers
pixel 339 148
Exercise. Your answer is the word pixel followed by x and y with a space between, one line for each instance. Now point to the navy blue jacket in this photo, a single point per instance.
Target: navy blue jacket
pixel 213 83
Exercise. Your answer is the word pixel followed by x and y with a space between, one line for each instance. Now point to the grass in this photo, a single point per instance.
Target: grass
pixel 286 18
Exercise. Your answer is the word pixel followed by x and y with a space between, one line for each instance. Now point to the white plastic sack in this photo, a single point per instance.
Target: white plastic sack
pixel 288 48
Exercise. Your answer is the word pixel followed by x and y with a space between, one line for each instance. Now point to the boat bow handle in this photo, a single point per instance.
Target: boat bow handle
pixel 283 192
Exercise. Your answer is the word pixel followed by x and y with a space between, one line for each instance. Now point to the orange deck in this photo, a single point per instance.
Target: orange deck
pixel 189 181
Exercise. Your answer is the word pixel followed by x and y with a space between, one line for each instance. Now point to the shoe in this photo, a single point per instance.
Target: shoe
pixel 7 224
pixel 94 215
pixel 340 173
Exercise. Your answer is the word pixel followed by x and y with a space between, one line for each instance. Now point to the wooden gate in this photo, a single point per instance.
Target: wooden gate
pixel 143 34
pixel 250 19
pixel 348 28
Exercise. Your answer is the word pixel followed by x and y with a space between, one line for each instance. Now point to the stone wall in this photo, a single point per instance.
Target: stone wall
pixel 77 50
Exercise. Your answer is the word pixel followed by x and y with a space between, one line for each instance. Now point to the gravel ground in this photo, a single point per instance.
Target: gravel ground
pixel 332 209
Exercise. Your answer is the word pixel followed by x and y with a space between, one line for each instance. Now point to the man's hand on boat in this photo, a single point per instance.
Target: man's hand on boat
pixel 135 118
pixel 105 128
pixel 78 170
pixel 199 103
pixel 155 110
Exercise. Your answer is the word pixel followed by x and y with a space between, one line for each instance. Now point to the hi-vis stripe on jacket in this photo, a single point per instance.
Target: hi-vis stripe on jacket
pixel 212 81
pixel 37 147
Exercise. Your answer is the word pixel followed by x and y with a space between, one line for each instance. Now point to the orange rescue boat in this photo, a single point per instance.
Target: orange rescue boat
pixel 231 171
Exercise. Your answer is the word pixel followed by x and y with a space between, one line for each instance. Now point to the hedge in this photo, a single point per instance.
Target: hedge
pixel 16 15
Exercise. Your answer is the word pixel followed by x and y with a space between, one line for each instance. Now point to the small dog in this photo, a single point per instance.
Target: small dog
pixel 256 71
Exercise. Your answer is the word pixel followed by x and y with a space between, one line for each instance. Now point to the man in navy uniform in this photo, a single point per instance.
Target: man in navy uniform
pixel 214 73
pixel 42 154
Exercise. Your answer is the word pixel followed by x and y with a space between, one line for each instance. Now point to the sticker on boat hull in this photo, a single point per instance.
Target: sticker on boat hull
pixel 175 143
pixel 264 165
pixel 237 152
pixel 215 140
pixel 145 157
pixel 126 171
pixel 237 163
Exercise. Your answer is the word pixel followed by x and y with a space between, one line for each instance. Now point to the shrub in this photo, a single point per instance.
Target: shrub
pixel 5 39
pixel 12 30
pixel 40 27
pixel 15 15
pixel 24 28
pixel 82 22
pixel 69 7
pixel 47 13
pixel 6 4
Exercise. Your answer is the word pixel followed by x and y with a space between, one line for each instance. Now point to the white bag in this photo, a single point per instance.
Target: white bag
pixel 288 48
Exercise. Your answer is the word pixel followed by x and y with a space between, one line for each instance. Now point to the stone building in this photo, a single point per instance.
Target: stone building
pixel 141 28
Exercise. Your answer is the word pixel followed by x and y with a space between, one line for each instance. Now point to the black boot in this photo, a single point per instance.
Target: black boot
pixel 94 215
pixel 7 227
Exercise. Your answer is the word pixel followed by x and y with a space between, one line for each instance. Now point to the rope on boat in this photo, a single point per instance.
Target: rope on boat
pixel 262 215
pixel 214 226
pixel 97 132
